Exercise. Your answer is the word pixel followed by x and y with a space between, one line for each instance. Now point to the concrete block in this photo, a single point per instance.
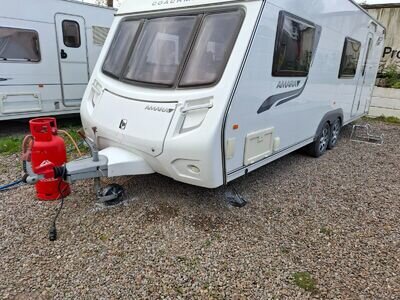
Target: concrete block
pixel 389 103
pixel 378 111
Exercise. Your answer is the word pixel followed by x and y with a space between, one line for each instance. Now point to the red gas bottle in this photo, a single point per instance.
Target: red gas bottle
pixel 48 147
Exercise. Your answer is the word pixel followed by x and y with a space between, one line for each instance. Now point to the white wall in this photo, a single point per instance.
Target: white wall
pixel 385 102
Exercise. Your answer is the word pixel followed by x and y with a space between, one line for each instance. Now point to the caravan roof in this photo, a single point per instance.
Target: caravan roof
pixel 129 7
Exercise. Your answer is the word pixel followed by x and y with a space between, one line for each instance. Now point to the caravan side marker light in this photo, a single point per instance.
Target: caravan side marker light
pixel 235 126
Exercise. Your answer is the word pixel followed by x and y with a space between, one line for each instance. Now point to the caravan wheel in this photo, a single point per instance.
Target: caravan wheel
pixel 320 145
pixel 336 128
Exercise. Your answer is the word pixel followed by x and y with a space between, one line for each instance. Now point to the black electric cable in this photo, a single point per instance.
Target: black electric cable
pixel 53 228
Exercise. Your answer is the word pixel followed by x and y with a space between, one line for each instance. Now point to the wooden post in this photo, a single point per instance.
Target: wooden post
pixel 110 3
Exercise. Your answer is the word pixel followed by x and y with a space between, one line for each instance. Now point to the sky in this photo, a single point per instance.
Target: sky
pixel 368 1
pixel 379 1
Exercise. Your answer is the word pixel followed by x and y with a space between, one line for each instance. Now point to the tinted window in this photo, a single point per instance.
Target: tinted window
pixel 294 47
pixel 160 50
pixel 119 50
pixel 19 44
pixel 350 57
pixel 212 48
pixel 71 34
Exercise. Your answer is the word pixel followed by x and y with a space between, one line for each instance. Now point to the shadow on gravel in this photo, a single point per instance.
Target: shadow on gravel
pixel 162 200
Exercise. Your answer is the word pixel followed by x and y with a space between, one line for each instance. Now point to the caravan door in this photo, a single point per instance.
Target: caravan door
pixel 73 57
pixel 368 75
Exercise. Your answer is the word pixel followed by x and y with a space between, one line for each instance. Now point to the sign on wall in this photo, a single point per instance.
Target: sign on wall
pixel 389 16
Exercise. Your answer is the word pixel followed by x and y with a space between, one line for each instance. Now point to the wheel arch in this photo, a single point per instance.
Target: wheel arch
pixel 330 118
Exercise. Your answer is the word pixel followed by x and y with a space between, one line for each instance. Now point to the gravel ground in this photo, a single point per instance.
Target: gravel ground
pixel 336 218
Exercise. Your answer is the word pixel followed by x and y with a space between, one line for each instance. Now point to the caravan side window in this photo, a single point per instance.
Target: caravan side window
pixel 71 34
pixel 294 46
pixel 350 57
pixel 19 45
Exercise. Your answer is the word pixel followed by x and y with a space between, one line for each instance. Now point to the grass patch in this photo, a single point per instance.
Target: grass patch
pixel 390 120
pixel 103 237
pixel 190 263
pixel 10 145
pixel 305 281
pixel 390 78
pixel 73 131
pixel 326 231
pixel 208 243
pixel 285 250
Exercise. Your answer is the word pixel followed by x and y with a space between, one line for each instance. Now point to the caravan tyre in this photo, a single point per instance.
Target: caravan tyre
pixel 320 145
pixel 336 128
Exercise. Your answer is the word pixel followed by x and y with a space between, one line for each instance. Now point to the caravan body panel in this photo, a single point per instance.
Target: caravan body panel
pixel 193 138
pixel 210 134
pixel 295 120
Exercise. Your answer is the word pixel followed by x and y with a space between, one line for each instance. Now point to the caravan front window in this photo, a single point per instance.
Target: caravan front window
pixel 212 48
pixel 118 53
pixel 19 45
pixel 160 50
pixel 192 49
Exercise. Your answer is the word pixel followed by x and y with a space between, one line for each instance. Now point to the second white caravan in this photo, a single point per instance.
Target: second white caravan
pixel 206 91
pixel 48 50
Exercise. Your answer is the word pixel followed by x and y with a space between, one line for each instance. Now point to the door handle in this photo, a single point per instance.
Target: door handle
pixel 64 55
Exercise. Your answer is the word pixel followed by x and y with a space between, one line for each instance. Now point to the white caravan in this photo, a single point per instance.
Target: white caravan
pixel 207 91
pixel 48 49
